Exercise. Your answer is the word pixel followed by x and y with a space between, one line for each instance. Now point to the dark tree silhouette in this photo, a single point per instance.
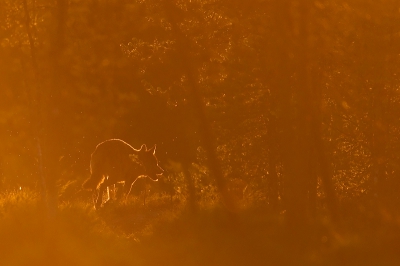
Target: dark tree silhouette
pixel 198 108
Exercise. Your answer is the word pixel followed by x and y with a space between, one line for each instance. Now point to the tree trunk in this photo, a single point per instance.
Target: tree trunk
pixel 198 108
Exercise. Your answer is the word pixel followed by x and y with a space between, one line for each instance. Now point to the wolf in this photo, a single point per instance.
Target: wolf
pixel 115 161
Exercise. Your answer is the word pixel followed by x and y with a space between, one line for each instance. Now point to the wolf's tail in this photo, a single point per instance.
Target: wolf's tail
pixel 93 181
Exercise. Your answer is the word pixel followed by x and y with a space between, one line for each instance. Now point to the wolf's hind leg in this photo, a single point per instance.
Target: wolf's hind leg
pixel 99 200
pixel 92 182
pixel 110 194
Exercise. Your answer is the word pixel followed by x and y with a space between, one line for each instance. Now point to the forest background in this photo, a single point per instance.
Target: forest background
pixel 283 113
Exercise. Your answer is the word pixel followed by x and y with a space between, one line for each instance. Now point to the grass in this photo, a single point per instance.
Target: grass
pixel 163 232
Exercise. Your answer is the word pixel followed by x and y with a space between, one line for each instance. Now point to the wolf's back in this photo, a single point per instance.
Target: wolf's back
pixel 109 156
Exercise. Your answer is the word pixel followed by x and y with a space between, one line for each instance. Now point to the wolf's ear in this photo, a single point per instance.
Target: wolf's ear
pixel 143 148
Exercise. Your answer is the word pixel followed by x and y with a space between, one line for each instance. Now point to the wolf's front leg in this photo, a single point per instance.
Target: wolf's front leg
pixel 99 200
pixel 128 186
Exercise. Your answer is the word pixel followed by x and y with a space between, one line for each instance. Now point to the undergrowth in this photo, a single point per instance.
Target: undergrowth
pixel 165 232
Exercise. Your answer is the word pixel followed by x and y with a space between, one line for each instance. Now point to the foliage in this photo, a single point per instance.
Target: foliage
pixel 297 94
pixel 163 233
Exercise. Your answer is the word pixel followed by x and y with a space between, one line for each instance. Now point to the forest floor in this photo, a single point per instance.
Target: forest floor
pixel 163 232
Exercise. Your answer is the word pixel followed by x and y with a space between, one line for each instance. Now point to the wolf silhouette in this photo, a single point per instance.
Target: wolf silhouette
pixel 115 161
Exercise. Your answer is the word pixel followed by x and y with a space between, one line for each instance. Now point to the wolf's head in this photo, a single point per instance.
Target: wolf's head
pixel 150 162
